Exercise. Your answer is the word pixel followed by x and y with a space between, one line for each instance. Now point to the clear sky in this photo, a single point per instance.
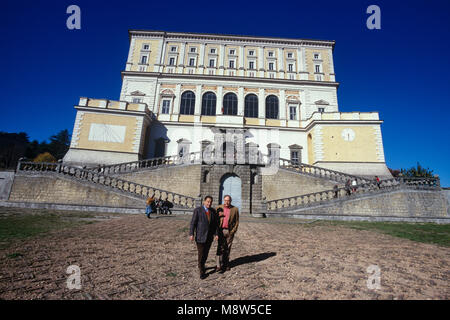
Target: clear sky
pixel 402 71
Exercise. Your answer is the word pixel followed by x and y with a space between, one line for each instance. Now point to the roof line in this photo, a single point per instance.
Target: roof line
pixel 169 33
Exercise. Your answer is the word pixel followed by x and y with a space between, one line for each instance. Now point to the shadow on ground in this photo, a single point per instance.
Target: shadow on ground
pixel 253 258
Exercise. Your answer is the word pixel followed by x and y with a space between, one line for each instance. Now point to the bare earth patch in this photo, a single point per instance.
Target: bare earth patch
pixel 133 257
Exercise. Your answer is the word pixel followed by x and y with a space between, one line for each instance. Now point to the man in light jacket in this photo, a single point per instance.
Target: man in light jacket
pixel 228 225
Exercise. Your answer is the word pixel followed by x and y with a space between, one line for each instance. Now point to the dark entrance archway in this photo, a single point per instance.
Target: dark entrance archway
pixel 231 184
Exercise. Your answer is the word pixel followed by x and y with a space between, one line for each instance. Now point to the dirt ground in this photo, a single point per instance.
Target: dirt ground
pixel 132 257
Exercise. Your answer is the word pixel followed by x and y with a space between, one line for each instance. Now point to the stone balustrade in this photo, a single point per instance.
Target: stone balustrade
pixel 340 193
pixel 91 176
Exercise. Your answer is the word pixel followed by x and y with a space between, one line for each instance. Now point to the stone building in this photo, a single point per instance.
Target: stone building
pixel 184 93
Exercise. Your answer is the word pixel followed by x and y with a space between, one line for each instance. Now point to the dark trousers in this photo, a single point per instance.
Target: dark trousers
pixel 203 250
pixel 224 248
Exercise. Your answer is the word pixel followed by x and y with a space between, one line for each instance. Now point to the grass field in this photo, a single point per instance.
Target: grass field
pixel 420 232
pixel 18 224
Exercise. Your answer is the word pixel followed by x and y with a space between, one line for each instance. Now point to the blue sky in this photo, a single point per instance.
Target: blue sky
pixel 402 71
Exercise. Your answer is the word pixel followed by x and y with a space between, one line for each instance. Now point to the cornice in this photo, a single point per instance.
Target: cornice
pixel 228 37
pixel 229 78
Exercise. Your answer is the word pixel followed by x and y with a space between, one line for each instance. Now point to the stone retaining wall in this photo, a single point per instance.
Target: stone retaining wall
pixel 289 184
pixel 403 204
pixel 178 179
pixel 49 188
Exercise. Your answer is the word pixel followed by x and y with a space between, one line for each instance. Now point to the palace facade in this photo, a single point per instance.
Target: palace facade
pixel 181 91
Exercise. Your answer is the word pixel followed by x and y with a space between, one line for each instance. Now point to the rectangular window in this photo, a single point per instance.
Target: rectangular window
pixel 317 68
pixel 232 51
pixel 321 109
pixel 251 52
pixel 231 64
pixel 172 61
pixel 290 67
pixel 289 54
pixel 316 56
pixel 251 65
pixel 271 66
pixel 146 47
pixel 294 156
pixel 137 100
pixel 292 113
pixel 211 62
pixel 165 107
pixel 193 49
pixel 213 50
pixel 192 62
pixel 144 60
pixel 270 53
pixel 173 49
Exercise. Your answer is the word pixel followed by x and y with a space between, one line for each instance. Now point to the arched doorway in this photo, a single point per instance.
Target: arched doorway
pixel 231 184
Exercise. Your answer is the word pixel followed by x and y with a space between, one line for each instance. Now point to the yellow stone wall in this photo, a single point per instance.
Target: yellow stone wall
pixel 186 118
pixel 154 44
pixel 325 57
pixel 208 119
pixel 153 58
pixel 362 148
pixel 251 121
pixel 128 121
pixel 310 148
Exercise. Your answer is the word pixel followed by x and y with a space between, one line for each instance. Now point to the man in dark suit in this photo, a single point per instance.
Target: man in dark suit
pixel 205 224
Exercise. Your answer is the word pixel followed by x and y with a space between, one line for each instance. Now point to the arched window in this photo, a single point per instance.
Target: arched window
pixel 187 103
pixel 230 104
pixel 251 106
pixel 272 107
pixel 209 104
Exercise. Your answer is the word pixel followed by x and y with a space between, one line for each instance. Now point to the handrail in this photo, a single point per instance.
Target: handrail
pixel 321 197
pixel 159 162
pixel 320 172
pixel 133 188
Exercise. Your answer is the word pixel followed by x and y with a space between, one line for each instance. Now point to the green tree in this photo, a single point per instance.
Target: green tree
pixel 12 148
pixel 44 157
pixel 59 144
pixel 417 171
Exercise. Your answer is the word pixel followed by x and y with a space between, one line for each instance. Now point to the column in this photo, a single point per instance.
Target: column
pixel 282 104
pixel 240 110
pixel 332 75
pixel 176 103
pixel 198 102
pixel 261 107
pixel 219 100
pixel 130 55
pixel 162 52
pixel 261 61
pixel 155 106
pixel 221 62
pixel 281 62
pixel 304 71
pixel 241 60
pixel 201 62
pixel 181 59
